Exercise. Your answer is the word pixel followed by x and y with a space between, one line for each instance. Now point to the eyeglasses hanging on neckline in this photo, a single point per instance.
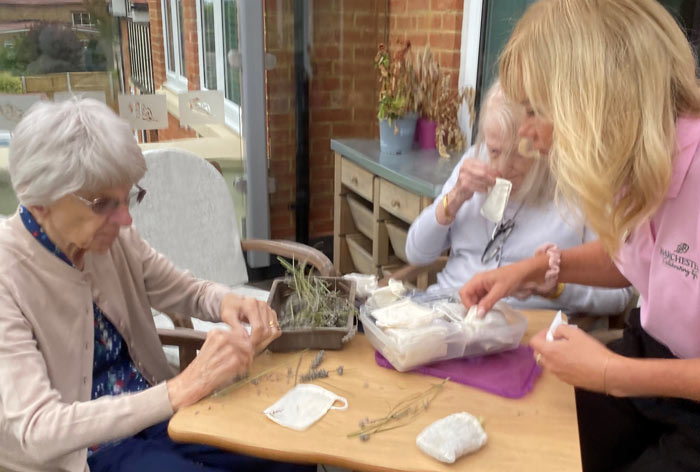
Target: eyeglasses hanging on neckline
pixel 498 238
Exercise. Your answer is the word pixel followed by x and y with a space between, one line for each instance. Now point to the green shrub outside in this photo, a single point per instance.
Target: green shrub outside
pixel 9 83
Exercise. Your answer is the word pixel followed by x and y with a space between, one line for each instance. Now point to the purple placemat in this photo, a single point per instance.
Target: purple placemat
pixel 510 374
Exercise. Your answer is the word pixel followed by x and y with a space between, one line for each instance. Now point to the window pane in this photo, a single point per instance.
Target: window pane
pixel 208 44
pixel 233 74
pixel 169 36
pixel 181 30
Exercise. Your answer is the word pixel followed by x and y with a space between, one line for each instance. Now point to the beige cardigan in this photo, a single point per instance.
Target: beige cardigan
pixel 47 419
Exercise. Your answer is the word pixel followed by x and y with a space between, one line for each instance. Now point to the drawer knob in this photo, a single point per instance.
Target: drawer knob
pixel 354 180
pixel 395 204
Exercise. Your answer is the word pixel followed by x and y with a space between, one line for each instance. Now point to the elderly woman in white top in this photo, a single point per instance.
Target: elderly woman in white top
pixel 530 221
pixel 84 383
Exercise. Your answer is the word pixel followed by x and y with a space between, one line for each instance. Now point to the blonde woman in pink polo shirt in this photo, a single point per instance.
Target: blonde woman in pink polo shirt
pixel 612 101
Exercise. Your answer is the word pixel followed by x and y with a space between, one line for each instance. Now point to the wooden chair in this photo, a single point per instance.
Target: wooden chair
pixel 188 215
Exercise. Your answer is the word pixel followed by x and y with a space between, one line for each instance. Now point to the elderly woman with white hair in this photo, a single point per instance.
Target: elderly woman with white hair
pixel 531 221
pixel 84 383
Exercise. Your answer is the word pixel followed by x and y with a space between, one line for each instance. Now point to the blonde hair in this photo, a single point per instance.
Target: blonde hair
pixel 612 76
pixel 497 110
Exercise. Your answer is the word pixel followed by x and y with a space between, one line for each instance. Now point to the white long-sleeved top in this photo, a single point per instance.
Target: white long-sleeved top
pixel 470 232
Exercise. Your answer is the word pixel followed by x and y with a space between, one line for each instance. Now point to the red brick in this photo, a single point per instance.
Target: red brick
pixel 322 67
pixel 452 22
pixel 321 229
pixel 320 145
pixel 363 18
pixel 319 130
pixel 321 173
pixel 365 114
pixel 280 136
pixel 418 41
pixel 278 105
pixel 397 6
pixel 446 5
pixel 280 120
pixel 449 60
pixel 416 6
pixel 444 41
pixel 319 99
pixel 325 84
pixel 331 115
pixel 355 130
pixel 404 23
pixel 326 50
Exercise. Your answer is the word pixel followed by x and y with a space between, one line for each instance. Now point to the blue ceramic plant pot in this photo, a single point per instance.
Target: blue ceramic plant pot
pixel 397 137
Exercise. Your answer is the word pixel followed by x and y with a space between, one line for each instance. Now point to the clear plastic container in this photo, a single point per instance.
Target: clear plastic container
pixel 448 335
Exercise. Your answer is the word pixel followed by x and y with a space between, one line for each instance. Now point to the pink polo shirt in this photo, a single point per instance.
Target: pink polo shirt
pixel 661 257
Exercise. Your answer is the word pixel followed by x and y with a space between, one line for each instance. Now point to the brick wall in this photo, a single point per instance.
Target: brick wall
pixel 437 23
pixel 281 131
pixel 155 18
pixel 342 96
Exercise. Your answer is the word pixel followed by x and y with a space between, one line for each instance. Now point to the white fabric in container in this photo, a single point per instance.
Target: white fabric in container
pixel 404 314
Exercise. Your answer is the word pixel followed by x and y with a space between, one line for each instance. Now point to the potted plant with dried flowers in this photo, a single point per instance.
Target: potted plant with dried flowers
pixel 427 89
pixel 438 103
pixel 396 107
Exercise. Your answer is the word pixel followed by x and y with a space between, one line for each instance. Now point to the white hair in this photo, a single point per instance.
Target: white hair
pixel 537 187
pixel 76 145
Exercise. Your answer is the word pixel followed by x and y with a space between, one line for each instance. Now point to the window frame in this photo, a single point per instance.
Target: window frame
pixel 81 14
pixel 232 110
pixel 176 79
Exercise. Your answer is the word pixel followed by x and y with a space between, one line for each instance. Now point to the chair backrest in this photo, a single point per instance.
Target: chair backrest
pixel 188 215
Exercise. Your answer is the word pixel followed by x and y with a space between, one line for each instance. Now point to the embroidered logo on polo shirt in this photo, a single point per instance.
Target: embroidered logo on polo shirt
pixel 674 260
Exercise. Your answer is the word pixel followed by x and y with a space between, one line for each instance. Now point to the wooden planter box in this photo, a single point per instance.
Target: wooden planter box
pixel 311 338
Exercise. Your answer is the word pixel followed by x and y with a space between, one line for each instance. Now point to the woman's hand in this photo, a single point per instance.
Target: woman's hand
pixel 575 358
pixel 486 288
pixel 262 319
pixel 224 355
pixel 474 176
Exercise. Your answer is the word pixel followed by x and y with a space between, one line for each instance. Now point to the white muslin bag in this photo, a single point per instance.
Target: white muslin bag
pixel 496 200
pixel 449 438
pixel 558 320
pixel 303 405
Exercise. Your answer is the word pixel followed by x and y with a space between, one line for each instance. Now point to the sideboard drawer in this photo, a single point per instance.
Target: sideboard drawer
pixel 398 201
pixel 357 179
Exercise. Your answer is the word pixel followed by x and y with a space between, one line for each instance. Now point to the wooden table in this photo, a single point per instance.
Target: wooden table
pixel 538 432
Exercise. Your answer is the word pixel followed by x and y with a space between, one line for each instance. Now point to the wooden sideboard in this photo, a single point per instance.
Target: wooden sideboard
pixel 377 197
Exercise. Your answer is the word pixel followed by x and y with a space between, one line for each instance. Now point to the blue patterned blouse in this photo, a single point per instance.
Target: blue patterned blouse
pixel 113 371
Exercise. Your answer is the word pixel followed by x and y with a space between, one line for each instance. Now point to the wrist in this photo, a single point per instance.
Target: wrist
pixel 535 268
pixel 611 380
pixel 181 393
pixel 555 292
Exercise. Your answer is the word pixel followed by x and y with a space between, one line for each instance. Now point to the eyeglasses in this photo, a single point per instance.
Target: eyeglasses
pixel 106 206
pixel 498 239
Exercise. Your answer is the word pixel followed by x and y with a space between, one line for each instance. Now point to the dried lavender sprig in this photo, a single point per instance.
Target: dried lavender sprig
pixel 314 374
pixel 320 356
